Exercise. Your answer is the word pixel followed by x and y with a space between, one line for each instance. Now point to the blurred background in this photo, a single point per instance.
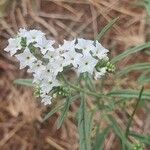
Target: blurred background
pixel 21 126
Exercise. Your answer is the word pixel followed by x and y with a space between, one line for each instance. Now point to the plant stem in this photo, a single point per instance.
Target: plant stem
pixel 85 91
pixel 79 89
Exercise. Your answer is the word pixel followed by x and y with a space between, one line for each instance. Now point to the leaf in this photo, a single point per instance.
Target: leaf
pixel 89 82
pixel 139 66
pixel 64 113
pixel 53 111
pixel 147 6
pixel 106 29
pixel 118 132
pixel 26 82
pixel 58 108
pixel 129 94
pixel 144 78
pixel 129 52
pixel 142 138
pixel 136 106
pixel 100 139
pixel 84 125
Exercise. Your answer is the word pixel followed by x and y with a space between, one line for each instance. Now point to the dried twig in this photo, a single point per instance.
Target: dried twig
pixel 54 144
pixel 11 133
pixel 36 18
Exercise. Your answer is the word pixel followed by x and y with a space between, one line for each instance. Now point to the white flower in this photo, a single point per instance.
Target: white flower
pixel 31 36
pixel 13 46
pixel 26 58
pixel 69 54
pixel 52 55
pixel 22 32
pixel 87 64
pixel 72 57
pixel 82 55
pixel 57 65
pixel 84 45
pixel 46 99
pixel 100 73
pixel 67 46
pixel 36 67
pixel 98 50
pixel 48 85
pixel 45 45
pixel 48 73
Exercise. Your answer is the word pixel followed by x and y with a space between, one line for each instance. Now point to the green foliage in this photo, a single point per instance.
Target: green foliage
pixel 84 86
pixel 144 78
pixel 146 4
pixel 64 112
pixel 59 107
pixel 143 138
pixel 120 134
pixel 100 139
pixel 106 29
pixel 129 52
pixel 84 125
pixel 134 67
pixel 25 82
pixel 128 94
pixel 135 108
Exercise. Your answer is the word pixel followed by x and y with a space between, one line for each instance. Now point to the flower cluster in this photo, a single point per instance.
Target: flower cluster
pixel 45 61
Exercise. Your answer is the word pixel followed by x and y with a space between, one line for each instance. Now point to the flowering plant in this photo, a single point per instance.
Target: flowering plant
pixel 47 63
pixel 51 65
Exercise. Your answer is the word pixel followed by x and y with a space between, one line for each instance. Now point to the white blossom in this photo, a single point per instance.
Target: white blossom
pixel 98 50
pixel 47 85
pixel 52 55
pixel 44 45
pixel 80 54
pixel 26 58
pixel 46 100
pixel 87 64
pixel 100 73
pixel 36 67
pixel 13 46
pixel 57 65
pixel 84 45
pixel 31 36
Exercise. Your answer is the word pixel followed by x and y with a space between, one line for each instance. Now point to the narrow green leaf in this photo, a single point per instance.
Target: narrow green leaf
pixel 139 66
pixel 106 29
pixel 142 138
pixel 58 108
pixel 136 106
pixel 118 132
pixel 129 94
pixel 129 52
pixel 64 113
pixel 144 78
pixel 100 139
pixel 147 6
pixel 26 82
pixel 84 125
pixel 53 111
pixel 89 82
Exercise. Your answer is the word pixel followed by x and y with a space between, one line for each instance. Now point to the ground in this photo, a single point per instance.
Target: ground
pixel 21 114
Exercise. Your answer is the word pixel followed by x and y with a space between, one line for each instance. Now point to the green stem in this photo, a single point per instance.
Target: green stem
pixel 79 89
pixel 85 91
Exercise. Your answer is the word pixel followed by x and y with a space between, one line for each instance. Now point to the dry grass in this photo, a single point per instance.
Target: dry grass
pixel 20 113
